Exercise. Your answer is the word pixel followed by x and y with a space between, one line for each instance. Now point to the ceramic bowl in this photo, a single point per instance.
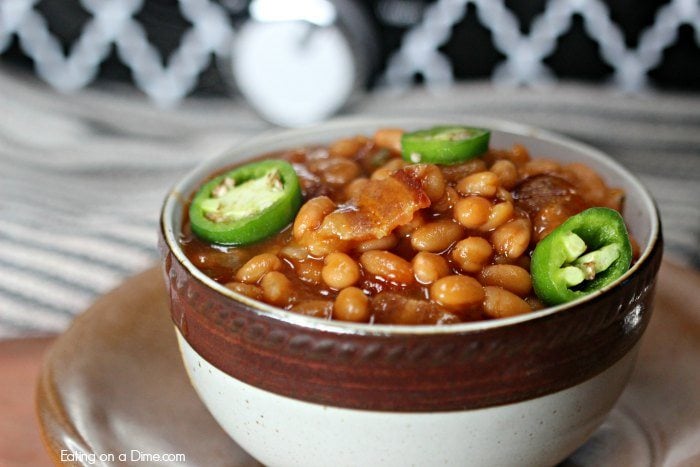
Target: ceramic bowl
pixel 298 390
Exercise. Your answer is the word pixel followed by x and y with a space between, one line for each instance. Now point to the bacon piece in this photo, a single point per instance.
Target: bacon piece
pixel 549 201
pixel 382 206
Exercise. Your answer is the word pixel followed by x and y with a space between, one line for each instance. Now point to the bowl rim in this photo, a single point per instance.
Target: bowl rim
pixel 178 195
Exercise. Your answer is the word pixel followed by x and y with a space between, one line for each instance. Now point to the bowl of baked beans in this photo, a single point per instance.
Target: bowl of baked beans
pixel 410 291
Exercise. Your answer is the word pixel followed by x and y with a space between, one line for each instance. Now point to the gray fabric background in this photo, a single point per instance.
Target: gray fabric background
pixel 82 176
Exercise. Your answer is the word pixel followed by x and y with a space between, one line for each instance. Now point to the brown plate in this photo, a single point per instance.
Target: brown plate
pixel 114 384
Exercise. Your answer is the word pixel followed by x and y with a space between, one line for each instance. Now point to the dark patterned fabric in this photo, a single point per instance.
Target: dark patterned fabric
pixel 582 48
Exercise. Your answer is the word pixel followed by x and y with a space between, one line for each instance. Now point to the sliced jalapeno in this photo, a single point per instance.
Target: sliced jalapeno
pixel 585 253
pixel 444 144
pixel 247 204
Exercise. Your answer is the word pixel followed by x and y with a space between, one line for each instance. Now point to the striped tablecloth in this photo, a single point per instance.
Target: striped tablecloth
pixel 82 176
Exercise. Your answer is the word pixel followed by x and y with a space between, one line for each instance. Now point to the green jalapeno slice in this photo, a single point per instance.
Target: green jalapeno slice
pixel 444 144
pixel 585 253
pixel 247 204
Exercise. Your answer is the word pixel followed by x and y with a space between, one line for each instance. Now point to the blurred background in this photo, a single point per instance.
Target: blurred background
pixel 104 104
pixel 170 48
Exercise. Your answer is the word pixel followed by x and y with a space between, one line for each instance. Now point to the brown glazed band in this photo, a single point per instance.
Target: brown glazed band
pixel 413 372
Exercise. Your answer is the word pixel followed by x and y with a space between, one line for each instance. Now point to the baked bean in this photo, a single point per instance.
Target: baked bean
pixel 294 251
pixel 388 266
pixel 319 245
pixel 317 308
pixel 311 215
pixel 481 183
pixel 540 166
pixel 457 292
pixel 472 253
pixel 277 289
pixel 340 271
pixel 249 290
pixel 429 267
pixel 417 221
pixel 309 271
pixel 389 138
pixel 387 169
pixel 519 154
pixel 587 182
pixel 351 304
pixel 395 163
pixel 354 188
pixel 348 147
pixel 506 172
pixel 508 276
pixel 432 182
pixel 384 243
pixel 512 239
pixel 257 266
pixel 522 261
pixel 448 200
pixel 499 303
pixel 436 236
pixel 504 195
pixel 381 173
pixel 472 212
pixel 500 214
pixel 336 171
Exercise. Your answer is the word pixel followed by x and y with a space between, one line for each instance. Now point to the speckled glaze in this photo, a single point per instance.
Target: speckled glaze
pixel 280 431
pixel 445 371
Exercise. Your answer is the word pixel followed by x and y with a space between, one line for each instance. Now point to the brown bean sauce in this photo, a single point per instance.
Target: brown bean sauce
pixel 395 200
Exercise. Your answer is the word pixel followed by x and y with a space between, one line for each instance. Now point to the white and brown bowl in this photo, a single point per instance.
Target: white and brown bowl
pixel 298 390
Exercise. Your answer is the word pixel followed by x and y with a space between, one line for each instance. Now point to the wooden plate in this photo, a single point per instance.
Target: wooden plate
pixel 114 385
